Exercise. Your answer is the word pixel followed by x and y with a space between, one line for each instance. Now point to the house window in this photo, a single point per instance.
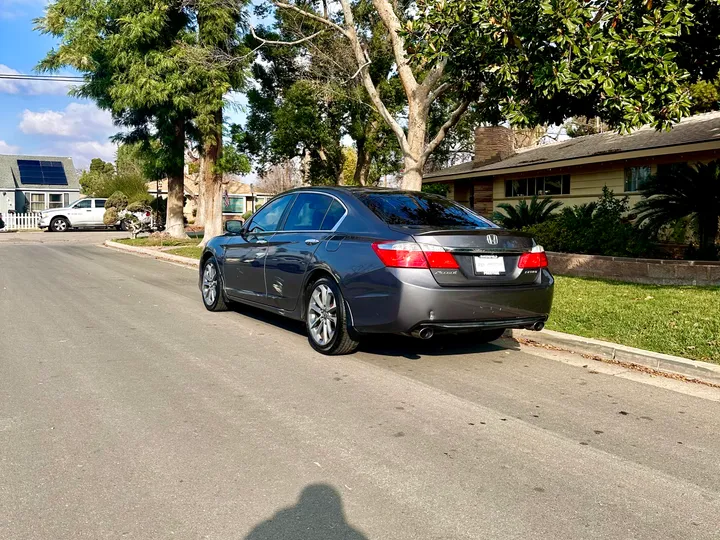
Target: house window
pixel 636 178
pixel 542 186
pixel 37 202
pixel 234 205
pixel 56 200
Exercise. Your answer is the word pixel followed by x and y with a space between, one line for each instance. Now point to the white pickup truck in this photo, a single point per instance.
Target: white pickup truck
pixel 85 213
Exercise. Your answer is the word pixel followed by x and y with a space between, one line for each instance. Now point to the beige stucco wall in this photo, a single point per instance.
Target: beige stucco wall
pixel 584 188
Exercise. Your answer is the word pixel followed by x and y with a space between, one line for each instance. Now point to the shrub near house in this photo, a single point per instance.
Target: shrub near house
pixel 598 228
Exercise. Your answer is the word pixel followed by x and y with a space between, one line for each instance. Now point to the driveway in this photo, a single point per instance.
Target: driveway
pixel 129 411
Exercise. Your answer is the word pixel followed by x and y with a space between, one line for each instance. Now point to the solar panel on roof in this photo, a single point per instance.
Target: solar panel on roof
pixel 46 173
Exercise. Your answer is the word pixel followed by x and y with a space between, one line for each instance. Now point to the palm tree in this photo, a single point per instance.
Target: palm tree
pixel 681 191
pixel 524 215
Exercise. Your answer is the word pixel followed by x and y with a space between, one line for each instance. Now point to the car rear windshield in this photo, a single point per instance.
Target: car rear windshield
pixel 422 209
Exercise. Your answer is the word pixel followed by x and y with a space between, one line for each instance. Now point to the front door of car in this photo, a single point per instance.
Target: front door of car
pixel 310 220
pixel 244 257
pixel 80 213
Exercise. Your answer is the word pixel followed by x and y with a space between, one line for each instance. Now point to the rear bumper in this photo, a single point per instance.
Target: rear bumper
pixel 410 299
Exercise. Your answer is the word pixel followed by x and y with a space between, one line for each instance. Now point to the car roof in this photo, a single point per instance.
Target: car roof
pixel 355 190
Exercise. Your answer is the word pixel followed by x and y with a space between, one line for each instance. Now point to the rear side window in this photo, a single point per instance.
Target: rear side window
pixel 308 212
pixel 334 214
pixel 100 203
pixel 421 209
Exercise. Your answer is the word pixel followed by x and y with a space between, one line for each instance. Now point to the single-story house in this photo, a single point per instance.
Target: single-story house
pixel 31 184
pixel 574 171
pixel 238 198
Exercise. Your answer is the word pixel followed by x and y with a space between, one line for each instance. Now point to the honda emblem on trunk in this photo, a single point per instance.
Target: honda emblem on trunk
pixel 492 239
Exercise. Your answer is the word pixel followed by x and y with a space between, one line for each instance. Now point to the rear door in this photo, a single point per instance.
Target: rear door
pixel 311 219
pixel 486 255
pixel 98 213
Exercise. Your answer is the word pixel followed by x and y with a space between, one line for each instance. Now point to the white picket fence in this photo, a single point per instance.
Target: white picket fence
pixel 21 221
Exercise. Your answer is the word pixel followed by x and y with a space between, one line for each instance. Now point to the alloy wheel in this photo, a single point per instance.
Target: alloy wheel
pixel 322 315
pixel 209 284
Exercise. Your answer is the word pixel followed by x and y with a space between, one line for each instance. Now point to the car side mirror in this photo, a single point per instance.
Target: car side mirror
pixel 234 226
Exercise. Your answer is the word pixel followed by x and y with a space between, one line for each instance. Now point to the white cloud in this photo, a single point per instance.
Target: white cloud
pixel 77 120
pixel 33 88
pixel 82 152
pixel 6 148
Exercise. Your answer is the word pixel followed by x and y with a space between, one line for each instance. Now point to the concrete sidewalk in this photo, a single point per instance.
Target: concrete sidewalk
pixel 694 369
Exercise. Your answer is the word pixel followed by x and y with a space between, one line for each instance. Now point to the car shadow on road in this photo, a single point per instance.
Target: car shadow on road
pixel 318 515
pixel 448 345
pixel 392 345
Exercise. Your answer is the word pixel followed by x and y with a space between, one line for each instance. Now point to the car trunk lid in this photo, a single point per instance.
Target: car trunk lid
pixel 485 257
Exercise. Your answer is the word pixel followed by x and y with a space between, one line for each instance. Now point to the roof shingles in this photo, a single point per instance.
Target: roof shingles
pixel 696 129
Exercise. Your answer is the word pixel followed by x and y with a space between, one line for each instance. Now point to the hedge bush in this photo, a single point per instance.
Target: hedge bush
pixel 600 228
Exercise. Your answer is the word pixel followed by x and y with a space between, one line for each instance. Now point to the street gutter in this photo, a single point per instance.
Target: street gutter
pixel 188 262
pixel 605 351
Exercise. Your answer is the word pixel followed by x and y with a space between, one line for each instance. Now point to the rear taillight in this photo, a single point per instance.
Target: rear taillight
pixel 533 259
pixel 439 258
pixel 412 255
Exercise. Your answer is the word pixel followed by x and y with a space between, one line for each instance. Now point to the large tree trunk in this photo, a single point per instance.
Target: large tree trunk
pixel 200 215
pixel 174 222
pixel 362 169
pixel 211 181
pixel 414 158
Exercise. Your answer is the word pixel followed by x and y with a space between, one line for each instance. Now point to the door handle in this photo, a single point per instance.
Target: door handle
pixel 312 241
pixel 261 242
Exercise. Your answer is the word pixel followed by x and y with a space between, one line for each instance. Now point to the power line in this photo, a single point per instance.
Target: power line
pixel 56 78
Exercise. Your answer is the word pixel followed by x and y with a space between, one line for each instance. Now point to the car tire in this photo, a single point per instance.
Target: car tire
pixel 59 224
pixel 124 225
pixel 211 288
pixel 326 319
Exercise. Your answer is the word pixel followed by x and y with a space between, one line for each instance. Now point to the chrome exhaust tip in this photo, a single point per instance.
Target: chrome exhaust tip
pixel 424 333
pixel 538 326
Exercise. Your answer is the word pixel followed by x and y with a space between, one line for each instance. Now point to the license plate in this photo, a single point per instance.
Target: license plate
pixel 489 265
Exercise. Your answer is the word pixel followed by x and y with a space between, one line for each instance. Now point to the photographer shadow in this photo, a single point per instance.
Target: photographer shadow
pixel 318 515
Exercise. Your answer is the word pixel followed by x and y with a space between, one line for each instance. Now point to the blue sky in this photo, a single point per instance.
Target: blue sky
pixel 39 117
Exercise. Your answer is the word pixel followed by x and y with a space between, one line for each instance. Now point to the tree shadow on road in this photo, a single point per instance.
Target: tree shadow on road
pixel 318 515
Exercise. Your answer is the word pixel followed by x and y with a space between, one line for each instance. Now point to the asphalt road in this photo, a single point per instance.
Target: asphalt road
pixel 128 411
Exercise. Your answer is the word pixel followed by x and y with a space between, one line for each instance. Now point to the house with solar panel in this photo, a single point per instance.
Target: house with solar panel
pixel 30 184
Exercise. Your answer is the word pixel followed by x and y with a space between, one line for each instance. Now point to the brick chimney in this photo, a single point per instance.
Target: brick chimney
pixel 492 144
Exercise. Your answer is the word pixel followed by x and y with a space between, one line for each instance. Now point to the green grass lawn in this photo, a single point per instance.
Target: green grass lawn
pixel 159 242
pixel 684 321
pixel 187 251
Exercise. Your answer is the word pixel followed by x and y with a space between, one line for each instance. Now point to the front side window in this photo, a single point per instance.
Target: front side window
pixel 423 210
pixel 56 200
pixel 308 212
pixel 37 202
pixel 85 203
pixel 636 178
pixel 267 219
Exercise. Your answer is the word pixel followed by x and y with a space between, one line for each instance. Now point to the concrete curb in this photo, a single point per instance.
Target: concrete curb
pixel 703 371
pixel 154 253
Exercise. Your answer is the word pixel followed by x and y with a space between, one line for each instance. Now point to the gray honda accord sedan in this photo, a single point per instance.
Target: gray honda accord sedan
pixel 356 261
